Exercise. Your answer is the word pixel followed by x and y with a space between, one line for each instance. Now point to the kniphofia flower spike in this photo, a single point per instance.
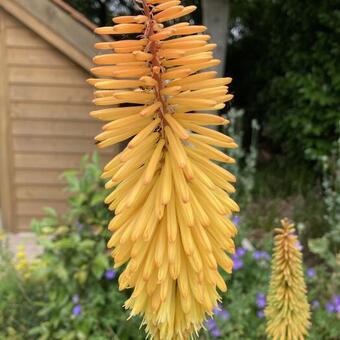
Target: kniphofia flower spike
pixel 288 311
pixel 172 227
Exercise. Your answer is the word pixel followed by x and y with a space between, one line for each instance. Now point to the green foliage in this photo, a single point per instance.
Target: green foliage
pixel 284 56
pixel 74 294
pixel 80 301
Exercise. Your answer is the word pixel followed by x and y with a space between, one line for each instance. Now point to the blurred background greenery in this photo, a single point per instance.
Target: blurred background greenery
pixel 284 57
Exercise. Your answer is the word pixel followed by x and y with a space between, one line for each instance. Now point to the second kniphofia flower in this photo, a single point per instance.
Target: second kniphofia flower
pixel 288 311
pixel 172 228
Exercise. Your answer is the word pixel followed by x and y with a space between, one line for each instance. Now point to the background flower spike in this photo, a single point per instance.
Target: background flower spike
pixel 173 225
pixel 288 311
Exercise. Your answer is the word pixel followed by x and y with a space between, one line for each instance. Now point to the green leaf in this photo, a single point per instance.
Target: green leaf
pixel 319 246
pixel 99 265
pixel 61 273
pixel 50 212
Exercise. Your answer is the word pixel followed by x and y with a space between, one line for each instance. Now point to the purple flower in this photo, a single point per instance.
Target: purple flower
pixel 218 309
pixel 333 306
pixel 315 304
pixel 75 299
pixel 211 324
pixel 240 251
pixel 76 310
pixel 330 308
pixel 261 300
pixel 110 274
pixel 265 256
pixel 236 220
pixel 336 303
pixel 225 315
pixel 216 332
pixel 260 314
pixel 259 255
pixel 221 313
pixel 238 263
pixel 311 272
pixel 336 300
pixel 213 327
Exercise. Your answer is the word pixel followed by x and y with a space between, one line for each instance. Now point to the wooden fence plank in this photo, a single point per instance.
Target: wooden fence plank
pixel 60 111
pixel 40 177
pixel 42 56
pixel 55 128
pixel 40 193
pixel 69 95
pixel 44 75
pixel 55 145
pixel 35 208
pixel 46 161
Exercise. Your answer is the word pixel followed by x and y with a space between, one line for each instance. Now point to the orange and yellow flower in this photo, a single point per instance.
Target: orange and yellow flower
pixel 172 229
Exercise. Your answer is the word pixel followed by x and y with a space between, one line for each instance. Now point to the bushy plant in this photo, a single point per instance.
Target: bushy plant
pixel 81 299
pixel 291 63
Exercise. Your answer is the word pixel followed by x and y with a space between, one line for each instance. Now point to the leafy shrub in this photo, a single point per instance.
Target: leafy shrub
pixel 291 63
pixel 81 296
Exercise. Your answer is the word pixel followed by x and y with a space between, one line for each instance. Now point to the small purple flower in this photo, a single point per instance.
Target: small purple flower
pixel 261 300
pixel 76 310
pixel 259 255
pixel 240 251
pixel 336 300
pixel 333 306
pixel 260 314
pixel 336 303
pixel 216 332
pixel 238 263
pixel 310 272
pixel 218 309
pixel 315 304
pixel 265 256
pixel 225 315
pixel 75 299
pixel 221 313
pixel 236 220
pixel 330 308
pixel 110 274
pixel 211 324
